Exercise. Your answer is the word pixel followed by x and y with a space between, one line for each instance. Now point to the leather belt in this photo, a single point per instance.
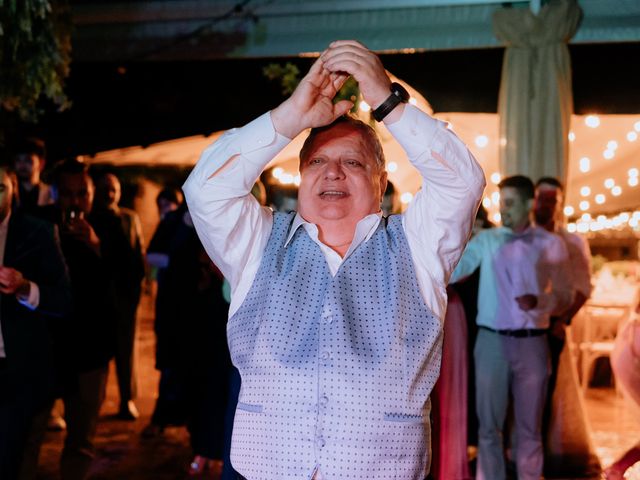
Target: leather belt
pixel 522 333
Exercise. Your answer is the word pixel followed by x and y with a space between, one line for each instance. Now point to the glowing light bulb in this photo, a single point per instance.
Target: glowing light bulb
pixel 636 126
pixel 569 210
pixel 585 191
pixel 612 145
pixel 571 228
pixel 584 205
pixel 609 183
pixel 592 121
pixel 600 199
pixel 632 181
pixel 496 177
pixel 632 136
pixel 571 136
pixel 495 198
pixel 406 197
pixel 585 164
pixel 277 172
pixel 616 191
pixel 482 141
pixel 392 167
pixel 608 154
pixel 633 172
pixel 486 202
pixel 497 217
pixel 364 106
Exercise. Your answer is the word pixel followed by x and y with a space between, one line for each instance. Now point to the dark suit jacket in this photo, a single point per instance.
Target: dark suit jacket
pixel 87 340
pixel 33 248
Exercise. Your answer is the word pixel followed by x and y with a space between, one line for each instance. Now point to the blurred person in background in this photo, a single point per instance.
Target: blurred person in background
pixel 29 159
pixel 128 270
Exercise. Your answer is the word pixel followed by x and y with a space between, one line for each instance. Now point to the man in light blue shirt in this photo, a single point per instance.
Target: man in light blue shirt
pixel 522 281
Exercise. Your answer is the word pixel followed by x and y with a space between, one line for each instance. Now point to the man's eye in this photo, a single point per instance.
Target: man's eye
pixel 315 161
pixel 353 163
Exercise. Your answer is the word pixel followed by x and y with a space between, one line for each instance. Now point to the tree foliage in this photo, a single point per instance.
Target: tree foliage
pixel 35 52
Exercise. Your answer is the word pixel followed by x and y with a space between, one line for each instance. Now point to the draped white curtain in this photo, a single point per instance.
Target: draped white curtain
pixel 536 100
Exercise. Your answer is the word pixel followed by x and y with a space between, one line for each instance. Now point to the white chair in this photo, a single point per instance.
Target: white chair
pixel 600 325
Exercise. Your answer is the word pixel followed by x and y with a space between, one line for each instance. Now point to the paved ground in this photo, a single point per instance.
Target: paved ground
pixel 124 455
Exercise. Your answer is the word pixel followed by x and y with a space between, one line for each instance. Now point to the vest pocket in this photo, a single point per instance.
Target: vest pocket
pixel 402 418
pixel 249 407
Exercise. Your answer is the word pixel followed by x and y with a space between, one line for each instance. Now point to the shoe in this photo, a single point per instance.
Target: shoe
pixel 128 411
pixel 56 424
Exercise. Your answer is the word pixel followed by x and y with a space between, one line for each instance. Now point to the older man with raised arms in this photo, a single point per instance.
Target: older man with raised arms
pixel 336 314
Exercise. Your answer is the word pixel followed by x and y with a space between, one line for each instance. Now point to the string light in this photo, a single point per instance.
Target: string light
pixel 568 210
pixel 406 197
pixel 633 181
pixel 584 205
pixel 572 136
pixel 585 164
pixel 482 141
pixel 616 191
pixel 486 202
pixel 600 199
pixel 608 154
pixel 585 191
pixel 495 198
pixel 364 106
pixel 496 177
pixel 609 183
pixel 592 121
pixel 392 167
pixel 632 136
pixel 612 145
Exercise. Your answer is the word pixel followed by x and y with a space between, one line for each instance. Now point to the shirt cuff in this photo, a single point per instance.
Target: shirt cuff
pixel 33 300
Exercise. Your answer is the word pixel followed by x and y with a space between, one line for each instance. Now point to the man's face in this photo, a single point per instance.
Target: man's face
pixel 28 166
pixel 75 191
pixel 6 193
pixel 340 179
pixel 548 204
pixel 108 191
pixel 514 209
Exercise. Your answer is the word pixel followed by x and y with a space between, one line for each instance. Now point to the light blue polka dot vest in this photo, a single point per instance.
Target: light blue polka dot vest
pixel 336 371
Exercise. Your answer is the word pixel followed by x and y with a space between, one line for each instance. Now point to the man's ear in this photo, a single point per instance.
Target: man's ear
pixel 383 184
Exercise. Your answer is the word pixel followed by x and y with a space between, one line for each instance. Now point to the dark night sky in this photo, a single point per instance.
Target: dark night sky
pixel 142 103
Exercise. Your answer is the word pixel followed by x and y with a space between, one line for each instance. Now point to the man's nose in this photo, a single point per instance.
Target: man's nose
pixel 334 171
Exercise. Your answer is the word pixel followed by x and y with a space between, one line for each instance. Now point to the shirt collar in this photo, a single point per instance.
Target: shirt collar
pixel 364 230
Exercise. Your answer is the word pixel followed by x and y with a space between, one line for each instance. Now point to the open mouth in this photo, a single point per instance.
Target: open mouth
pixel 333 195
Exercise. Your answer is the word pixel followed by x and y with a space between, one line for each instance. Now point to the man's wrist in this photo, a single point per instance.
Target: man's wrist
pixel 285 122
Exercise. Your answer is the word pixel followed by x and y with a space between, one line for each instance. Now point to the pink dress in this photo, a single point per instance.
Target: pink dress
pixel 449 399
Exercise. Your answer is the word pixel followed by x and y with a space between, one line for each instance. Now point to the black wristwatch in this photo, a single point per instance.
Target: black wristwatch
pixel 398 95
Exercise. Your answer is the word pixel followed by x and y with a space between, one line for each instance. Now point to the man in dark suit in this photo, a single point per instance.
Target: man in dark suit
pixel 34 289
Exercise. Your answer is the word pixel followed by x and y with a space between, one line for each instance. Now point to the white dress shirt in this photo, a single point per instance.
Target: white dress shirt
pixel 234 228
pixel 534 262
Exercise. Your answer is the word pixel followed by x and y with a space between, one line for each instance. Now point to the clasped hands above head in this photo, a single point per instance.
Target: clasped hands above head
pixel 311 104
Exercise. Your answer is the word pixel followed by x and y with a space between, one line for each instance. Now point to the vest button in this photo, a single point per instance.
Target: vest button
pixel 325 355
pixel 324 400
pixel 328 319
pixel 320 442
